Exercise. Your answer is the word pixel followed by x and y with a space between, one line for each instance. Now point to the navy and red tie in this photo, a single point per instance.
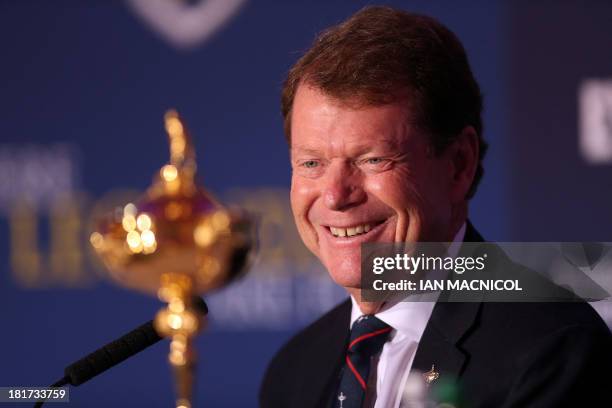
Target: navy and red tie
pixel 368 335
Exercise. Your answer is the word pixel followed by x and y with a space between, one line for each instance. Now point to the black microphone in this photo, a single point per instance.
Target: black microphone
pixel 115 352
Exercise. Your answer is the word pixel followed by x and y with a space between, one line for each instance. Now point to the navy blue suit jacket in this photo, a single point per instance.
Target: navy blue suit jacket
pixel 501 355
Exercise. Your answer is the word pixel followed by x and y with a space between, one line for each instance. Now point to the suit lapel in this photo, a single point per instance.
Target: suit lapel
pixel 439 344
pixel 448 325
pixel 329 349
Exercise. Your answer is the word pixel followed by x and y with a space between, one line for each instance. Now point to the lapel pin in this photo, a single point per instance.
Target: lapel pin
pixel 431 375
pixel 341 398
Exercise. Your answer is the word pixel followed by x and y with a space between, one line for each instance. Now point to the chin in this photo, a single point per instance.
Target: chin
pixel 342 264
pixel 346 277
pixel 347 282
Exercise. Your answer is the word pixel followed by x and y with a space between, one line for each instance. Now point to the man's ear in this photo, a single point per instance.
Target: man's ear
pixel 463 156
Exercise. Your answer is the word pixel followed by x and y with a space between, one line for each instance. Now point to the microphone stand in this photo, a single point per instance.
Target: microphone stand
pixel 115 352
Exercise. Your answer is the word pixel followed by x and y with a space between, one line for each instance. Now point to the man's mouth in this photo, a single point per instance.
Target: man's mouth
pixel 354 230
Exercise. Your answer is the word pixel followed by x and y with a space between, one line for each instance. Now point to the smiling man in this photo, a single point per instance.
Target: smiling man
pixel 383 120
pixel 369 174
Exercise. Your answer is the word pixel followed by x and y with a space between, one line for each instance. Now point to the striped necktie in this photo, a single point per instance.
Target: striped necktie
pixel 368 335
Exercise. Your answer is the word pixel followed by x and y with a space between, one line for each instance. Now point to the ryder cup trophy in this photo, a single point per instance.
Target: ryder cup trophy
pixel 177 241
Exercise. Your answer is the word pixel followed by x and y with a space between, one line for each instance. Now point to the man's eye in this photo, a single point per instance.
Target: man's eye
pixel 374 160
pixel 310 164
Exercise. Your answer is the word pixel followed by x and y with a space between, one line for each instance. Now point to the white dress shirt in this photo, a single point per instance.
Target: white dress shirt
pixel 408 320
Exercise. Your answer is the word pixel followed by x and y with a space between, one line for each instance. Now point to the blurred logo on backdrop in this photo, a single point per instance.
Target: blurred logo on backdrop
pixel 186 24
pixel 50 220
pixel 595 120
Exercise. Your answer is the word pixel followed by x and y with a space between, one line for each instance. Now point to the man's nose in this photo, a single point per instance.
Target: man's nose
pixel 343 187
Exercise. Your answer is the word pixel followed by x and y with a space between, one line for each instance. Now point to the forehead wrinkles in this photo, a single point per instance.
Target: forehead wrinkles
pixel 341 141
pixel 334 127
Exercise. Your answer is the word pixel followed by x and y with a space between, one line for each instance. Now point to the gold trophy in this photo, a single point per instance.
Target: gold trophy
pixel 177 241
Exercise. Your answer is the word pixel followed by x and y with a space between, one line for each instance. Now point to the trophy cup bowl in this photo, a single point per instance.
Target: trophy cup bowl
pixel 175 242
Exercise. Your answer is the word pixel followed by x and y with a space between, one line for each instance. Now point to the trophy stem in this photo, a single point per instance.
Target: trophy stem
pixel 181 323
pixel 183 359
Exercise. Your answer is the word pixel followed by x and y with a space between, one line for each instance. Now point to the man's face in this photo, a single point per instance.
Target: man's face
pixel 362 175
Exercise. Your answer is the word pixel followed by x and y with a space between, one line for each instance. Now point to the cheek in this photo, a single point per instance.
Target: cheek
pixel 396 190
pixel 430 209
pixel 408 200
pixel 303 196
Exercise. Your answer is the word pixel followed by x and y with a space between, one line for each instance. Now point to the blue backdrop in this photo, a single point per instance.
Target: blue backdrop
pixel 83 88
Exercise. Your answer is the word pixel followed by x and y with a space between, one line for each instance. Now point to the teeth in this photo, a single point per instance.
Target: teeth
pixel 339 232
pixel 350 232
